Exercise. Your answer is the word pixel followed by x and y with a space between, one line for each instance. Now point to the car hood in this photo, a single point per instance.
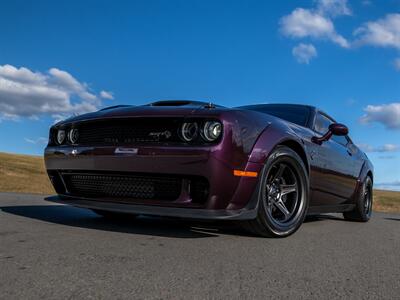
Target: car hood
pixel 148 111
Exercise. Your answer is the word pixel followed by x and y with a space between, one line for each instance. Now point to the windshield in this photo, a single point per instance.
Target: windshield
pixel 297 114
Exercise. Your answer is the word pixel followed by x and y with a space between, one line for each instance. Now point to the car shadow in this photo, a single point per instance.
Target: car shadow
pixel 393 219
pixel 154 226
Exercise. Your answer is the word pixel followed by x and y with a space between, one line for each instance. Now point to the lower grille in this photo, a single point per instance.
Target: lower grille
pixel 117 186
pixel 123 186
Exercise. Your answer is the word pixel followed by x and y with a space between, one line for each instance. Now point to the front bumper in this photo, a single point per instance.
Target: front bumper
pixel 228 194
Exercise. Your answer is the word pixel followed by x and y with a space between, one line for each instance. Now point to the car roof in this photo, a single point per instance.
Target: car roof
pixel 281 104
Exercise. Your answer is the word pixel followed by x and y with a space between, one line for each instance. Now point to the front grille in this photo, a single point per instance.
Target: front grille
pixel 123 186
pixel 127 186
pixel 129 131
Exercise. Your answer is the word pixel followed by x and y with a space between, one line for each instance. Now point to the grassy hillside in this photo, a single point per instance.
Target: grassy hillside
pixel 26 174
pixel 386 201
pixel 23 174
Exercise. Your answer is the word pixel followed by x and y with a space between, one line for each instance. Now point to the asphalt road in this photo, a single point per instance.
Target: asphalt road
pixel 55 251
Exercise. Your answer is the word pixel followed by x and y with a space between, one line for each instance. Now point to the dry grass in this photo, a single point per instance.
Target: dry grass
pixel 23 174
pixel 386 201
pixel 26 174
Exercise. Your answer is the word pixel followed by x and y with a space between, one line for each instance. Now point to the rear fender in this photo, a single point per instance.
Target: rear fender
pixel 366 170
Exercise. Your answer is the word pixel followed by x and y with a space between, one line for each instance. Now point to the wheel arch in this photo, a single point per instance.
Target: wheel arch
pixel 369 173
pixel 298 148
pixel 275 136
pixel 366 170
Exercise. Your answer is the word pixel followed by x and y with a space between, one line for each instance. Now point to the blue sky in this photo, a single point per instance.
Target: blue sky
pixel 63 57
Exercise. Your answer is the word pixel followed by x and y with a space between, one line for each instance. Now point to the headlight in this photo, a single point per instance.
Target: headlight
pixel 189 131
pixel 212 130
pixel 60 136
pixel 73 135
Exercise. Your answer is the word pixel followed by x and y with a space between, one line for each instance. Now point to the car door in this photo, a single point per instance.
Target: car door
pixel 336 166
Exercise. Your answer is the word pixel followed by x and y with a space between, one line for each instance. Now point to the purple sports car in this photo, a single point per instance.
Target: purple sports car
pixel 266 165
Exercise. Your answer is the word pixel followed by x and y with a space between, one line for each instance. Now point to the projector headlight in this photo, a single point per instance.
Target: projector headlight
pixel 189 131
pixel 60 136
pixel 212 131
pixel 73 136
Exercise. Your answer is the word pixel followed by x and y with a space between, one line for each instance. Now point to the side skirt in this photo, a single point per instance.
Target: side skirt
pixel 312 210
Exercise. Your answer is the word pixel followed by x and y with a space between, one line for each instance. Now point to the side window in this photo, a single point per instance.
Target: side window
pixel 322 125
pixel 340 139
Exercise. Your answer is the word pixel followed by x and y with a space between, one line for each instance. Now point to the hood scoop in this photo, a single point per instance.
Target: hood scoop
pixel 188 103
pixel 173 103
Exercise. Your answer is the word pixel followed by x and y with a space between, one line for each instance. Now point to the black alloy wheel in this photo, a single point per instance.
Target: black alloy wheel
pixel 283 200
pixel 364 199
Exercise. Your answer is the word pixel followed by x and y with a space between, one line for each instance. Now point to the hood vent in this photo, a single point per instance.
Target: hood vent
pixel 172 103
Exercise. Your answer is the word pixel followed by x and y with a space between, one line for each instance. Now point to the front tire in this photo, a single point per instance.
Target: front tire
pixel 283 200
pixel 363 210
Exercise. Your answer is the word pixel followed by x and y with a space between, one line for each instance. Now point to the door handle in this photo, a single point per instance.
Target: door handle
pixel 349 153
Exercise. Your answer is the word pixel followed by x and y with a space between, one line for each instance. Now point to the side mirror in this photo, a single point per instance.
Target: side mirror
pixel 338 129
pixel 334 129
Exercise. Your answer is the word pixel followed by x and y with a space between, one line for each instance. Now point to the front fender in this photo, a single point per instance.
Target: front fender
pixel 269 139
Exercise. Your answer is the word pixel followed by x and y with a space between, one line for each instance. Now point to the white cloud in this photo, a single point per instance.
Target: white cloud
pixel 384 32
pixel 313 23
pixel 334 7
pixel 106 95
pixel 304 53
pixel 397 182
pixel 317 23
pixel 40 140
pixel 366 2
pixel 65 81
pixel 380 149
pixel 386 114
pixel 24 93
pixel 21 75
pixel 396 64
pixel 393 185
pixel 386 156
pixel 303 22
pixel 389 148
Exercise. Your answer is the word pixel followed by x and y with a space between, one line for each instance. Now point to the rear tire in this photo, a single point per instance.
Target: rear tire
pixel 363 210
pixel 283 200
pixel 113 215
